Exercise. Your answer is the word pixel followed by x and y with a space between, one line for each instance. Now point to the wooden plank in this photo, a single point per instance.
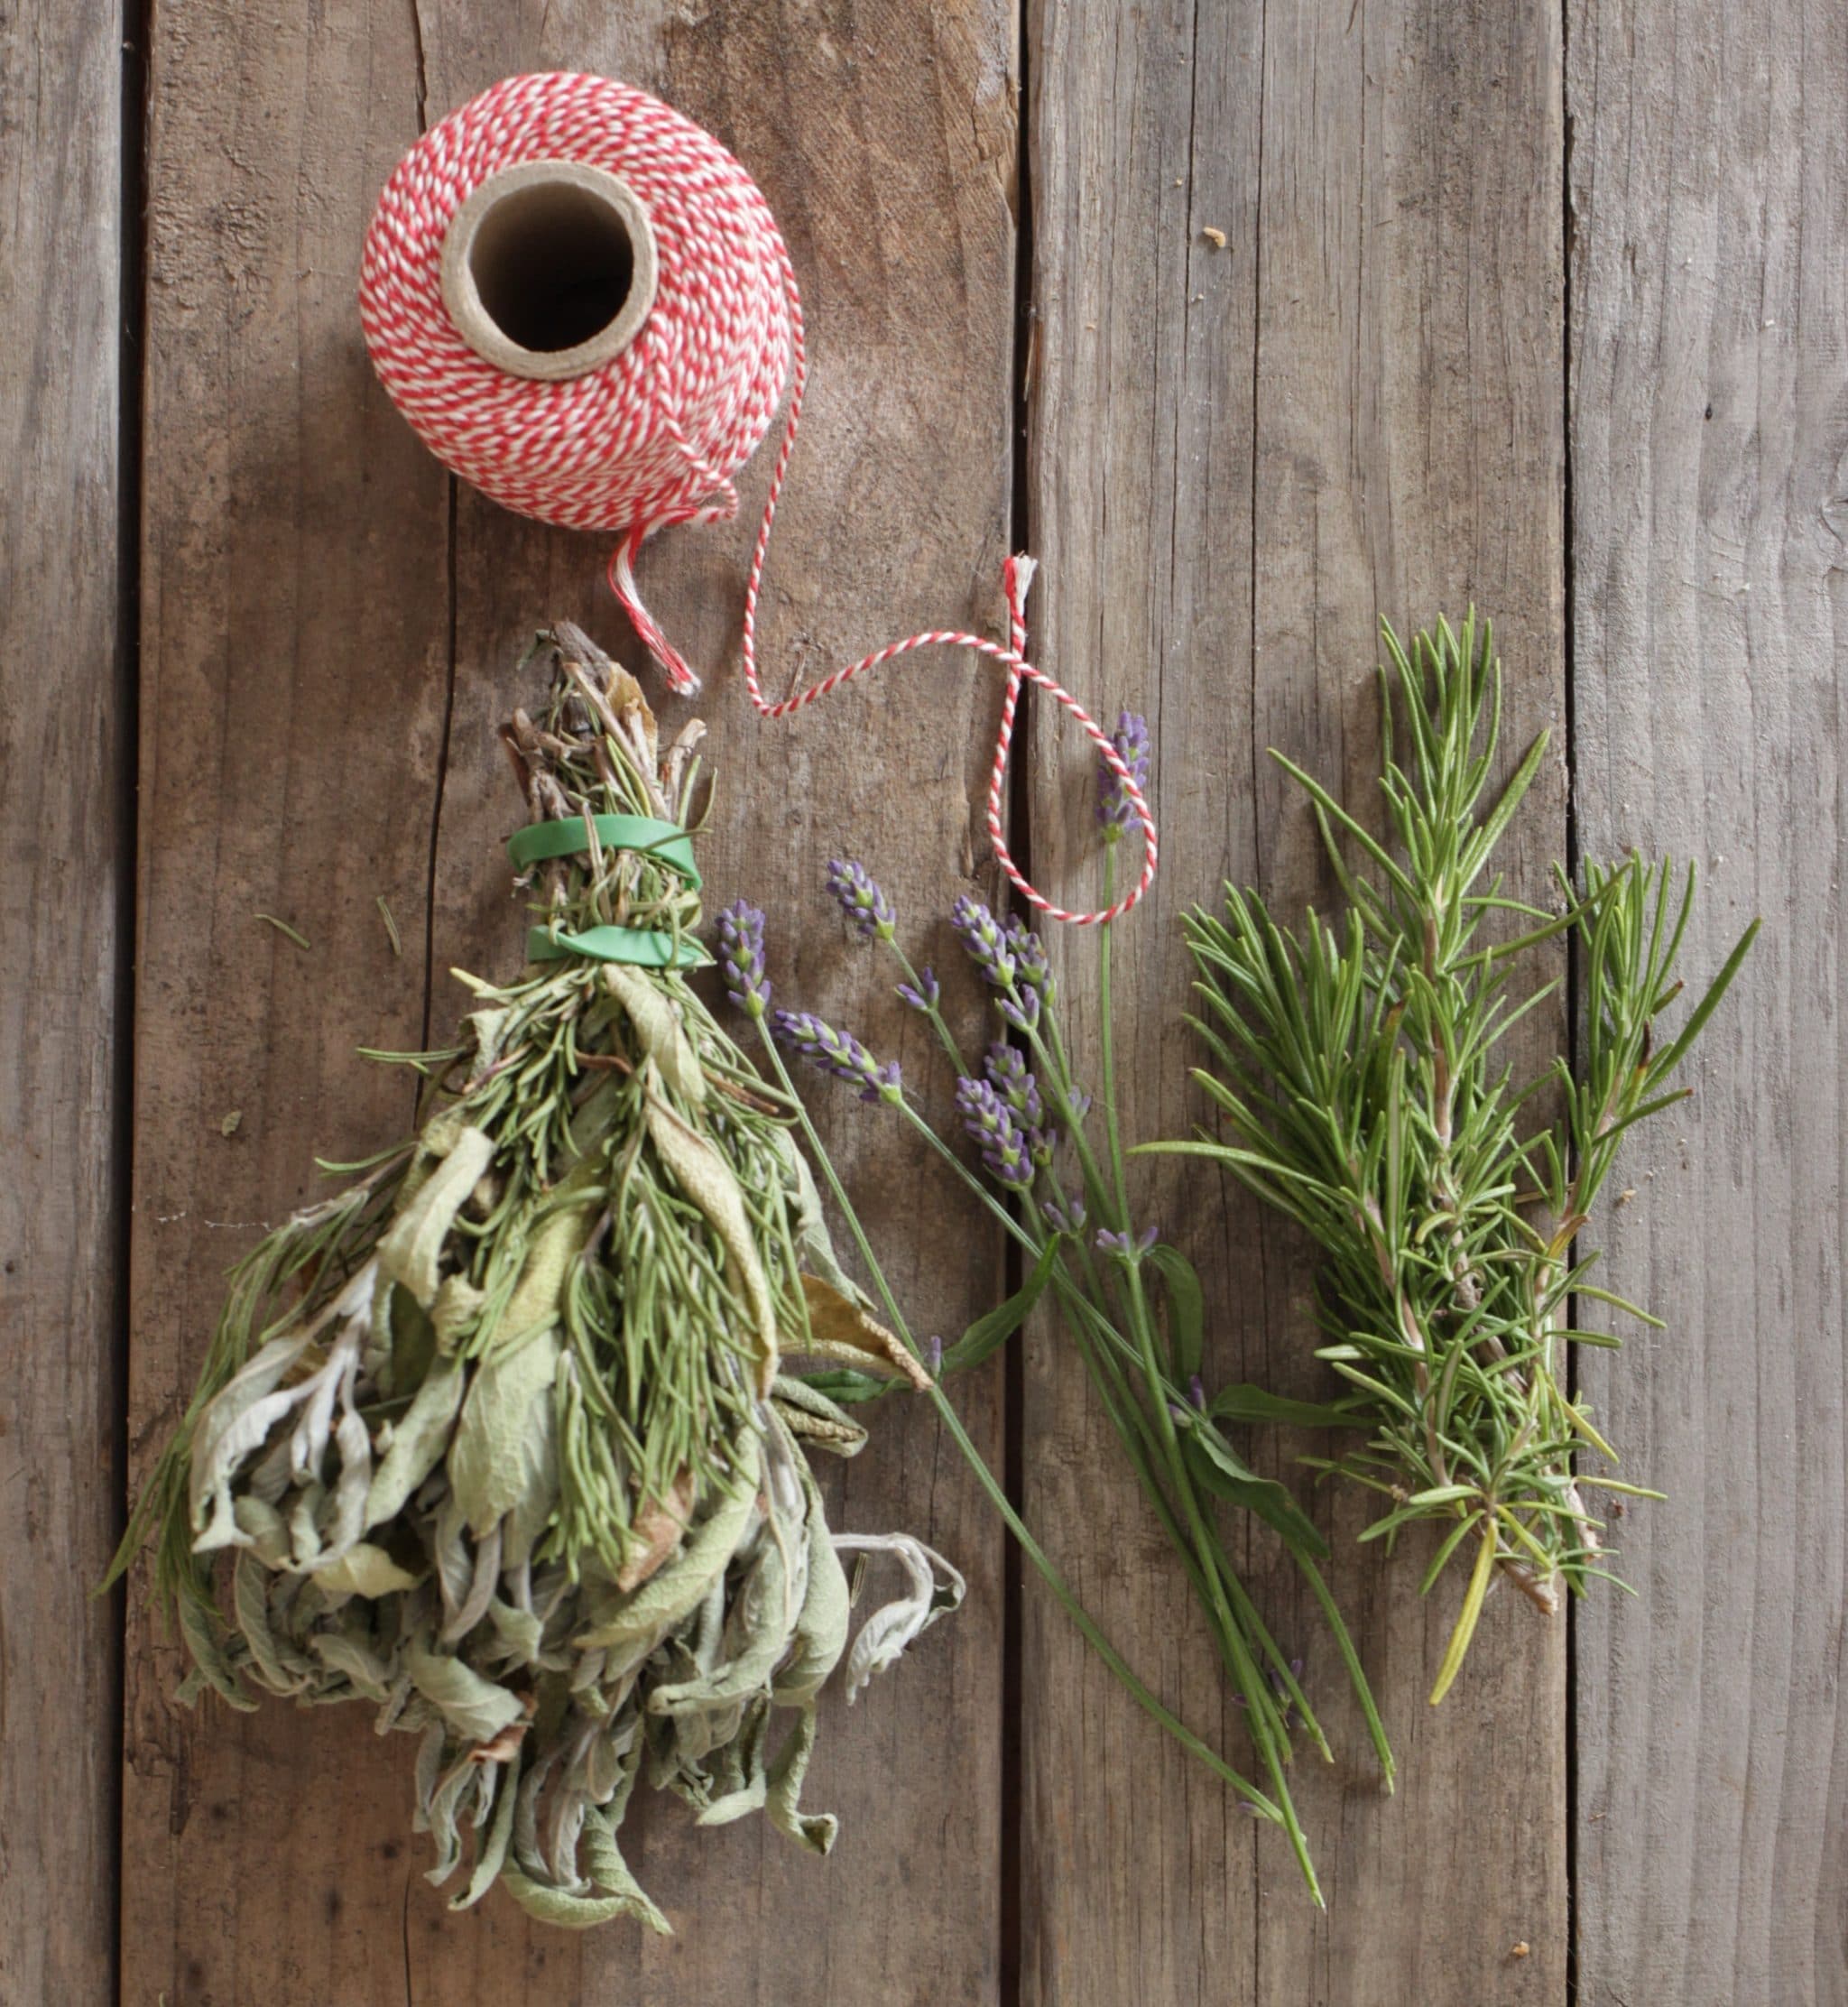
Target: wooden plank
pixel 1237 459
pixel 290 505
pixel 885 148
pixel 295 611
pixel 1709 436
pixel 63 832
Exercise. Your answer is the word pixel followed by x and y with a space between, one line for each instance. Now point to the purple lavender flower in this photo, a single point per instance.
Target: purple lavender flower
pixel 1197 1391
pixel 1006 1068
pixel 923 995
pixel 1066 1212
pixel 1121 1245
pixel 838 1053
pixel 986 941
pixel 1115 811
pixel 741 957
pixel 933 1358
pixel 867 908
pixel 1021 1008
pixel 1006 1147
pixel 1032 964
pixel 1280 1688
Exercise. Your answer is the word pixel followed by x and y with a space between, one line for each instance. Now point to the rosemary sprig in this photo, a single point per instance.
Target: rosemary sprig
pixel 1358 1067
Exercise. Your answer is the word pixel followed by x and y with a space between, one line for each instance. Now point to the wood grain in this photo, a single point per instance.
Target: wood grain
pixel 62 742
pixel 271 1858
pixel 1237 459
pixel 294 625
pixel 1709 195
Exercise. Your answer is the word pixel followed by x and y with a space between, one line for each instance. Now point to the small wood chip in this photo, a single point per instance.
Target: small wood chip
pixel 1522 1950
pixel 1216 238
pixel 227 1124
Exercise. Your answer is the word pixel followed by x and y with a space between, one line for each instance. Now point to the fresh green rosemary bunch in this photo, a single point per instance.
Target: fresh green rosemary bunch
pixel 500 1438
pixel 1360 1068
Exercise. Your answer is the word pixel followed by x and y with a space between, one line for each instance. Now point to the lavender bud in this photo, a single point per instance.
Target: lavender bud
pixel 1115 811
pixel 1066 1212
pixel 1197 1391
pixel 1006 1068
pixel 985 940
pixel 741 957
pixel 1033 963
pixel 838 1053
pixel 1006 1150
pixel 923 995
pixel 933 1358
pixel 867 908
pixel 1280 1688
pixel 1122 1246
pixel 1020 1010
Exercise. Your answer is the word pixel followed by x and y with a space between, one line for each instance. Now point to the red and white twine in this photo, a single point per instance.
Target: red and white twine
pixel 654 435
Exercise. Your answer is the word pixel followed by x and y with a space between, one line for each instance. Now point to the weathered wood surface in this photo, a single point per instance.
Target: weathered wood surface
pixel 1709 192
pixel 1238 459
pixel 63 745
pixel 1235 458
pixel 328 648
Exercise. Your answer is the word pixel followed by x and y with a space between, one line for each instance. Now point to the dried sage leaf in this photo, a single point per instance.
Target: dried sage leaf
pixel 418 1441
pixel 475 1708
pixel 658 1026
pixel 364 1570
pixel 492 1463
pixel 840 1328
pixel 411 1253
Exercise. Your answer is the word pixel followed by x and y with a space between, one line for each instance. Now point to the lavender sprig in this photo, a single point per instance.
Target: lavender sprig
pixel 741 957
pixel 1032 963
pixel 924 995
pixel 857 893
pixel 838 1053
pixel 985 939
pixel 1065 1211
pixel 1005 1067
pixel 1006 1147
pixel 1115 811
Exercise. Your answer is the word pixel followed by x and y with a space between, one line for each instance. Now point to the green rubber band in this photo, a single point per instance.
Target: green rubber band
pixel 566 835
pixel 640 947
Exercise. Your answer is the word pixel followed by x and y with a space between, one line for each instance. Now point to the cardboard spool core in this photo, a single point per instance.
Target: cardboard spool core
pixel 549 269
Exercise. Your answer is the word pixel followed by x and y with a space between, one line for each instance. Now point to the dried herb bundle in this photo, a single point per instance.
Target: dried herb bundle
pixel 1358 1066
pixel 500 1438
